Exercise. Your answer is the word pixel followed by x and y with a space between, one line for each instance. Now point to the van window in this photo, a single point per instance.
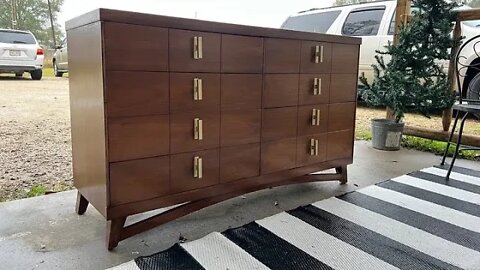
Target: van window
pixel 318 22
pixel 365 22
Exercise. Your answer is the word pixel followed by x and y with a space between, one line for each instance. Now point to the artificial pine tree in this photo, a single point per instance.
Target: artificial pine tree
pixel 413 80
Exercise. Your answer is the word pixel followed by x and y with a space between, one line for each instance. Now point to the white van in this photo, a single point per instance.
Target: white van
pixel 374 22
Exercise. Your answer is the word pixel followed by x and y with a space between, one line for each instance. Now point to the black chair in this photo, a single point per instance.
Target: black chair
pixel 469 106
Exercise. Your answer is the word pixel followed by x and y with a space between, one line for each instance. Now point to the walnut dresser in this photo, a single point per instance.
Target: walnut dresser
pixel 169 111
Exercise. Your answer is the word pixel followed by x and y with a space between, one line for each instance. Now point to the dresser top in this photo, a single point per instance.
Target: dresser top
pixel 109 15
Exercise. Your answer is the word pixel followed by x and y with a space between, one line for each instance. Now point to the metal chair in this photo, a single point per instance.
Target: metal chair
pixel 468 106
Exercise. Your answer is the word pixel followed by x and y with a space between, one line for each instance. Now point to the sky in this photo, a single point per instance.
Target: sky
pixel 265 13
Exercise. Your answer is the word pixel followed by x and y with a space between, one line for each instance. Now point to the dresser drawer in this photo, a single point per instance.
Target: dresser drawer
pixel 237 162
pixel 278 155
pixel 241 54
pixel 345 59
pixel 194 170
pixel 282 55
pixel 280 90
pixel 240 127
pixel 241 91
pixel 340 145
pixel 316 57
pixel 133 93
pixel 192 51
pixel 194 91
pixel 194 131
pixel 138 180
pixel 311 149
pixel 135 47
pixel 343 88
pixel 314 89
pixel 312 119
pixel 341 116
pixel 279 123
pixel 137 137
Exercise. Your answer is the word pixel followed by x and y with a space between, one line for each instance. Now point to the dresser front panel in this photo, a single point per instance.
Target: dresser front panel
pixel 135 47
pixel 134 93
pixel 242 54
pixel 279 123
pixel 182 131
pixel 238 162
pixel 183 97
pixel 280 90
pixel 138 180
pixel 278 155
pixel 182 170
pixel 310 93
pixel 310 152
pixel 138 137
pixel 282 55
pixel 307 119
pixel 181 51
pixel 240 127
pixel 316 57
pixel 241 91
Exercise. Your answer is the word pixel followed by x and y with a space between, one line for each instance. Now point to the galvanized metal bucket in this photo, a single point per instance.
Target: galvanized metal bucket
pixel 386 134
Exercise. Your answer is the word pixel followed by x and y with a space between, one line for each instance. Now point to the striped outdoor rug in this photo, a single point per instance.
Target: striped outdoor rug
pixel 415 221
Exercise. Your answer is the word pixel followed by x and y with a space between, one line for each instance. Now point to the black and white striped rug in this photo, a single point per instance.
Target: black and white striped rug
pixel 415 221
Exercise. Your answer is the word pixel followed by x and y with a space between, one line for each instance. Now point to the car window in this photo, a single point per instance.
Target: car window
pixel 365 22
pixel 318 22
pixel 391 28
pixel 16 37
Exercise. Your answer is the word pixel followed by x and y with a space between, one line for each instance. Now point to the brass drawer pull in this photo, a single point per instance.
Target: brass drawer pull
pixel 198 129
pixel 317 86
pixel 315 117
pixel 314 147
pixel 319 54
pixel 197 89
pixel 197 167
pixel 197 48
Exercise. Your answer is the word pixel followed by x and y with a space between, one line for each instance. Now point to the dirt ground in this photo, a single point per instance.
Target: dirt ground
pixel 35 145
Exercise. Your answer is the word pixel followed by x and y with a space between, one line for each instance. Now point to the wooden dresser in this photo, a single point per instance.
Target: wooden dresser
pixel 166 111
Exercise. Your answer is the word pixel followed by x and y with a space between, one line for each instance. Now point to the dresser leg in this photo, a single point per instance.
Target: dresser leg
pixel 114 231
pixel 81 205
pixel 343 172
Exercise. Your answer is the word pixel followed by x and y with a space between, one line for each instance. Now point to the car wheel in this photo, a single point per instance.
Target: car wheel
pixel 55 70
pixel 36 74
pixel 18 74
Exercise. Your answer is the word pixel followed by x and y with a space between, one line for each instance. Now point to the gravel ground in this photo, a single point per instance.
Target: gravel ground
pixel 35 145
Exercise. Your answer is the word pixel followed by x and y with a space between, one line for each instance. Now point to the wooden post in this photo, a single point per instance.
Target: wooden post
pixel 457 34
pixel 401 18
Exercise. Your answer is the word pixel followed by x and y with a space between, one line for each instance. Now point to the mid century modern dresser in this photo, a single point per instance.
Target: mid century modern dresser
pixel 168 111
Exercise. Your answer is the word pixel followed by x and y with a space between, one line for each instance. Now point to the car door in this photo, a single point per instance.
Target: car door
pixel 367 23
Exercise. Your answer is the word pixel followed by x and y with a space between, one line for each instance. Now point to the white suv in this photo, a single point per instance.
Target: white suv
pixel 374 22
pixel 19 53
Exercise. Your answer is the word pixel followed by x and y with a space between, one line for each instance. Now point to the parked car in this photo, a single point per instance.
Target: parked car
pixel 19 53
pixel 60 59
pixel 374 22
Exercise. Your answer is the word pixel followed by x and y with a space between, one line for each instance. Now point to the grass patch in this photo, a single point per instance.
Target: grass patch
pixel 437 147
pixel 363 135
pixel 37 190
pixel 48 72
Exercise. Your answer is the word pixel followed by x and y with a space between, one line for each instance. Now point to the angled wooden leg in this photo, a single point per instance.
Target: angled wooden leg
pixel 343 172
pixel 114 231
pixel 81 205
